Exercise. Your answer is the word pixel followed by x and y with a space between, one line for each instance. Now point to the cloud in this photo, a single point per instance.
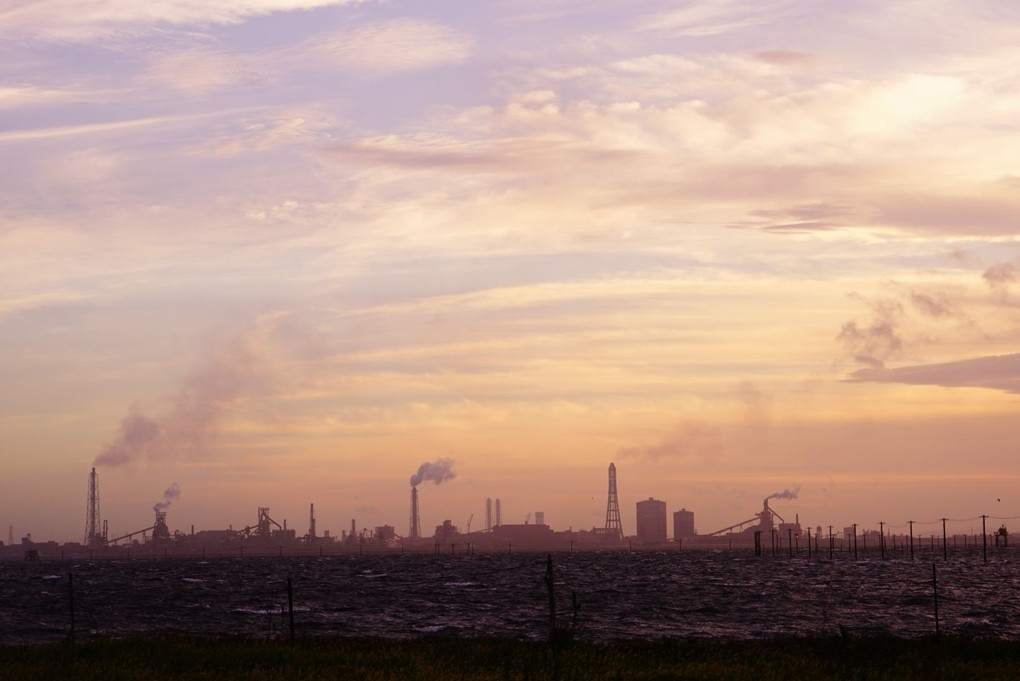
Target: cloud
pixel 997 372
pixel 397 46
pixel 878 340
pixel 200 71
pixel 88 20
pixel 712 17
pixel 118 127
pixel 988 211
pixel 1000 276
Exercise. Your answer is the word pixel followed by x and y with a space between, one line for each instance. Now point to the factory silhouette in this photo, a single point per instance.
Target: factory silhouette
pixel 267 536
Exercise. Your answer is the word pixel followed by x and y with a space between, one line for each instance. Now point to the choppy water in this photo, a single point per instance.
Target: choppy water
pixel 622 595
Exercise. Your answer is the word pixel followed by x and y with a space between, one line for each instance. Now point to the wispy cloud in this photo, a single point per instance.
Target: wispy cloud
pixel 999 372
pixel 77 21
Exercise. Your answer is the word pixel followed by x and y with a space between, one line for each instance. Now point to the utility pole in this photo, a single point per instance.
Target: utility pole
pixel 911 523
pixel 881 538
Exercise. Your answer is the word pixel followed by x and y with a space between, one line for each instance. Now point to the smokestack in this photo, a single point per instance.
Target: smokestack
pixel 415 530
pixel 92 511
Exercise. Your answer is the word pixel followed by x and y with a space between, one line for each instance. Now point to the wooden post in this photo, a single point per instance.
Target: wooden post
pixel 984 540
pixel 911 523
pixel 881 538
pixel 290 607
pixel 855 541
pixel 945 544
pixel 70 594
pixel 552 597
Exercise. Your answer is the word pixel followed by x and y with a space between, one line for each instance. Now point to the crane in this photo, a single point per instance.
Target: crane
pixel 469 523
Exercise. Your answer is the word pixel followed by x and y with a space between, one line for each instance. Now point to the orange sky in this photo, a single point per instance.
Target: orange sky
pixel 282 252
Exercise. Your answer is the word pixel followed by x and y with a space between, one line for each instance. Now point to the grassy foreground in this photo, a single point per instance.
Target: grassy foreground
pixel 442 658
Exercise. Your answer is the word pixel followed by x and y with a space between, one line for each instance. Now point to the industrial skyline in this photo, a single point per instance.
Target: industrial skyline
pixel 281 253
pixel 651 527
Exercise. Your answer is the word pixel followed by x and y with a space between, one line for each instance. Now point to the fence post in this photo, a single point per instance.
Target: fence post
pixel 945 545
pixel 290 606
pixel 70 593
pixel 552 597
pixel 984 540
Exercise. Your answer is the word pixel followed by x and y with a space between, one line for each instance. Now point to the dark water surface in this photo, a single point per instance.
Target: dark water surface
pixel 622 595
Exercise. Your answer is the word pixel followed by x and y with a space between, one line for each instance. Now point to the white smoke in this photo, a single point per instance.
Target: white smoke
pixel 172 494
pixel 785 494
pixel 440 471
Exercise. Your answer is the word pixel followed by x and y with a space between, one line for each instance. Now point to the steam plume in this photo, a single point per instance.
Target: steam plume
pixel 785 494
pixel 440 471
pixel 202 404
pixel 172 494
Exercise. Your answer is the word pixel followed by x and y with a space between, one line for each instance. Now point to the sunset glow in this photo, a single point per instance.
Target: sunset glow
pixel 283 252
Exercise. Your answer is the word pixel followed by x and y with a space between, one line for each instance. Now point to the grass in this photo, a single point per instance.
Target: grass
pixel 473 659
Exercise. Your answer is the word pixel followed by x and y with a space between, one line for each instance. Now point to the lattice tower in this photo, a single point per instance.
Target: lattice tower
pixel 613 525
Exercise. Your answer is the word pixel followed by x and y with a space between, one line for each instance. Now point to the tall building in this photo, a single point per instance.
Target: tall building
pixel 540 517
pixel 651 521
pixel 683 524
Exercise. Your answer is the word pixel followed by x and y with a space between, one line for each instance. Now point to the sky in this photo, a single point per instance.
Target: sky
pixel 284 252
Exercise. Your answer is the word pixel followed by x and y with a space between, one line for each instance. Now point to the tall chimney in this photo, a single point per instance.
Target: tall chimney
pixel 415 530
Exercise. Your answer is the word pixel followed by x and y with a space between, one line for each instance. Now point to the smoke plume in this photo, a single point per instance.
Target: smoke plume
pixel 172 494
pixel 203 402
pixel 785 494
pixel 440 471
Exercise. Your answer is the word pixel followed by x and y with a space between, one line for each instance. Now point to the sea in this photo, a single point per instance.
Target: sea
pixel 599 596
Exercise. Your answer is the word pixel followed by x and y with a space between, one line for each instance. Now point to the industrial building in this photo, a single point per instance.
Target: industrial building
pixel 651 521
pixel 683 525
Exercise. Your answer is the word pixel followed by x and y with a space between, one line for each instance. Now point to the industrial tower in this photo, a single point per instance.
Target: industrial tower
pixel 614 527
pixel 92 532
pixel 488 514
pixel 415 531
